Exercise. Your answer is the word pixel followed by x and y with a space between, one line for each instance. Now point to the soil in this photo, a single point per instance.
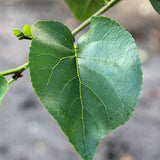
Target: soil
pixel 28 132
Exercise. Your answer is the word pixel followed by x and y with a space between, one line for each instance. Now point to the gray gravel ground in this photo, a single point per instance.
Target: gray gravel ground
pixel 28 132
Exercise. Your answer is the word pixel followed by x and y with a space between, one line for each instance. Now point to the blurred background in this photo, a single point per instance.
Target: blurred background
pixel 28 132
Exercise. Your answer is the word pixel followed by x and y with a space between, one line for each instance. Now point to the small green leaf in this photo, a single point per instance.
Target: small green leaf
pixel 83 9
pixel 3 88
pixel 91 89
pixel 156 5
pixel 19 34
pixel 27 30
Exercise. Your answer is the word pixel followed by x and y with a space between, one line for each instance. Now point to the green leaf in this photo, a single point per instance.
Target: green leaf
pixel 106 1
pixel 83 9
pixel 19 34
pixel 27 30
pixel 156 5
pixel 91 89
pixel 3 88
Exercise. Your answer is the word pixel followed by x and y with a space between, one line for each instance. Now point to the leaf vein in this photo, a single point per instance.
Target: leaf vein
pixel 105 59
pixel 105 107
pixel 80 93
pixel 53 68
pixel 65 86
pixel 112 84
pixel 92 117
pixel 72 104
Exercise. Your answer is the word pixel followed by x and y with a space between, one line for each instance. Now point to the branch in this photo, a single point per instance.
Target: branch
pixel 15 70
pixel 101 11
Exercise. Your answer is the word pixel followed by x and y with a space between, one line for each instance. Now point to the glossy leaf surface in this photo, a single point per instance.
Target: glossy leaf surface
pixel 156 5
pixel 3 88
pixel 83 9
pixel 27 30
pixel 91 89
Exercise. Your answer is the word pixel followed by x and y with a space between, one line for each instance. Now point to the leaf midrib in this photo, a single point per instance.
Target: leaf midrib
pixel 80 93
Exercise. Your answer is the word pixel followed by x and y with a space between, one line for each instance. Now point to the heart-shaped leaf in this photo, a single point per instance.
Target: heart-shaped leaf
pixel 3 88
pixel 90 89
pixel 156 5
pixel 83 9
